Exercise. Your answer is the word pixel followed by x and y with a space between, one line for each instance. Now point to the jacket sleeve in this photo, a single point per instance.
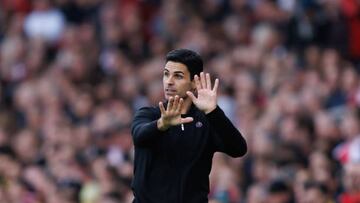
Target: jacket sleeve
pixel 144 129
pixel 226 137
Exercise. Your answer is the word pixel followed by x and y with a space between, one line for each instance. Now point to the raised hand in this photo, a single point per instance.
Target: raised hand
pixel 206 99
pixel 171 116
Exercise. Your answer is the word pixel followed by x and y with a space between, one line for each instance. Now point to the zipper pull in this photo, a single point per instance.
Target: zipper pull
pixel 182 127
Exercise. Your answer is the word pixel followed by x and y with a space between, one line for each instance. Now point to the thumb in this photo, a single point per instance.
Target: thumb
pixel 191 95
pixel 186 120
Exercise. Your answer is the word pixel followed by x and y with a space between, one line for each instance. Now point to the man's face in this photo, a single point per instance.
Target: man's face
pixel 314 196
pixel 176 80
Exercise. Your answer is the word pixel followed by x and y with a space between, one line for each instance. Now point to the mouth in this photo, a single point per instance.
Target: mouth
pixel 169 91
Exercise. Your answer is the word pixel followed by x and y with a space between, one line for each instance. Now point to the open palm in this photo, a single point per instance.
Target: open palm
pixel 171 116
pixel 206 99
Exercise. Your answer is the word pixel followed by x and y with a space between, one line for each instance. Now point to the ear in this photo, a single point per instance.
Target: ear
pixel 193 86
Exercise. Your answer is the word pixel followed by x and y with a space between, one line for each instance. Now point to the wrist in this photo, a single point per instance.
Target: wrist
pixel 161 125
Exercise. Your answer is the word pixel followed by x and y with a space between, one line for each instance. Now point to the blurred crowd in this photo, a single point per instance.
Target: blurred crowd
pixel 73 72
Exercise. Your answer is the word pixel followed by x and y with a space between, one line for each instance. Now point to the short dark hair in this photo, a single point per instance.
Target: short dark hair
pixel 316 185
pixel 189 58
pixel 278 186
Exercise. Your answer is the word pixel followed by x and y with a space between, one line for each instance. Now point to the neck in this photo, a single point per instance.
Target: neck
pixel 186 105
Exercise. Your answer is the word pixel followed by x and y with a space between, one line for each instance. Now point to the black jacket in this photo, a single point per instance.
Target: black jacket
pixel 174 166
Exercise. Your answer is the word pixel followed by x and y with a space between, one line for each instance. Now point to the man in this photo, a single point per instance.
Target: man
pixel 174 146
pixel 316 192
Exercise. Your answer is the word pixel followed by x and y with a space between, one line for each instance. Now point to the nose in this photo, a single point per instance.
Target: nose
pixel 169 80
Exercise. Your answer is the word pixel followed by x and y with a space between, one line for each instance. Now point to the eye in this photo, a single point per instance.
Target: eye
pixel 166 74
pixel 178 76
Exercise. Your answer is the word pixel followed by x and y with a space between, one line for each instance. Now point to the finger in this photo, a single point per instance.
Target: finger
pixel 202 80
pixel 208 81
pixel 181 101
pixel 176 103
pixel 162 108
pixel 170 103
pixel 191 95
pixel 197 82
pixel 186 120
pixel 216 85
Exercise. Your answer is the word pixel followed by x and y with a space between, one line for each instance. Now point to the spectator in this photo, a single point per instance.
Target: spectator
pixel 44 21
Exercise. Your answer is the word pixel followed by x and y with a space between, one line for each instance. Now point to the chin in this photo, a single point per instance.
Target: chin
pixel 167 96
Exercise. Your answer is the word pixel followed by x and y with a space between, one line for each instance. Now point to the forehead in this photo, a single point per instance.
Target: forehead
pixel 172 66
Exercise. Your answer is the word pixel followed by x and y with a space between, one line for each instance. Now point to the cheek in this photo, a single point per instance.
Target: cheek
pixel 184 87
